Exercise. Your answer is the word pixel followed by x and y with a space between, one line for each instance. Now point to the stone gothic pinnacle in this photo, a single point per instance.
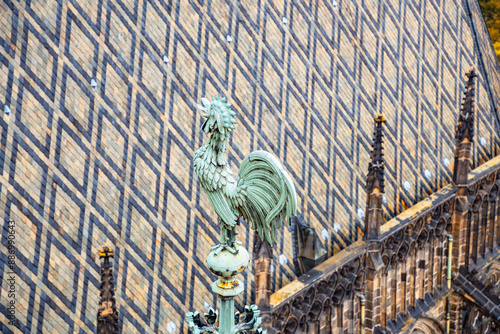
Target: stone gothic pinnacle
pixel 107 316
pixel 375 178
pixel 375 183
pixel 465 133
pixel 465 127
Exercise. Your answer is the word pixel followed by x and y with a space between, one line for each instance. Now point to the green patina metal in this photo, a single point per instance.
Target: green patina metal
pixel 263 195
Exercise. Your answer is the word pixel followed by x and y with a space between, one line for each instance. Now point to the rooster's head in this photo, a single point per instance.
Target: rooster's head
pixel 218 114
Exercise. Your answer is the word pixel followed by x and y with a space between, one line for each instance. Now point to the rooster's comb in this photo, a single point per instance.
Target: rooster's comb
pixel 218 114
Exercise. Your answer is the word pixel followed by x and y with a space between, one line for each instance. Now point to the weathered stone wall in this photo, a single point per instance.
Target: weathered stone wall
pixel 84 164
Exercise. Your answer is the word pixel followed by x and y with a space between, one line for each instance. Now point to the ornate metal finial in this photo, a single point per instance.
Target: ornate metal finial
pixel 107 316
pixel 262 194
pixel 465 127
pixel 375 178
pixel 106 254
pixel 250 321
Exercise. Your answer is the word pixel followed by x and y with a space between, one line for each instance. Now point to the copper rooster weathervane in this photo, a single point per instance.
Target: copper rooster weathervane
pixel 262 194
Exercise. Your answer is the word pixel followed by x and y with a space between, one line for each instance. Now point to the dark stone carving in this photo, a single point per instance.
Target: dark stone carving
pixel 375 184
pixel 375 178
pixel 418 233
pixel 465 132
pixel 107 316
pixel 427 326
pixel 465 128
pixel 323 295
pixel 262 267
pixel 310 249
pixel 493 282
pixel 476 322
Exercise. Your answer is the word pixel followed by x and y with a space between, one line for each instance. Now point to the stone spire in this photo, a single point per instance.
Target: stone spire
pixel 375 183
pixel 465 131
pixel 107 316
pixel 262 263
pixel 461 169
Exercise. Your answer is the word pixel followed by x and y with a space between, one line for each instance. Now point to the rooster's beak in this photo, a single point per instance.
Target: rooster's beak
pixel 205 128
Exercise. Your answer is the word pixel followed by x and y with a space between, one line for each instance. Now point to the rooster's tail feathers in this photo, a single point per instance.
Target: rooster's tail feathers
pixel 271 196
